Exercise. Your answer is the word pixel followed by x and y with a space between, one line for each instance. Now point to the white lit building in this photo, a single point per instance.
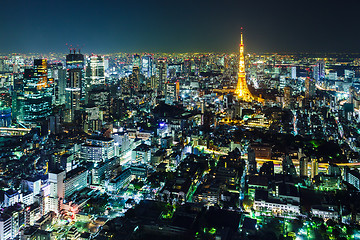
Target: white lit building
pixel 11 197
pixel 5 227
pixel 91 153
pixel 95 71
pixel 106 144
pixel 75 181
pixel 141 154
pixel 325 212
pixel 267 205
pixel 56 195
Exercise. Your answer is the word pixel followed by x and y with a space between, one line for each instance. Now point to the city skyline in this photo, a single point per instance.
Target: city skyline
pixel 179 120
pixel 186 27
pixel 266 145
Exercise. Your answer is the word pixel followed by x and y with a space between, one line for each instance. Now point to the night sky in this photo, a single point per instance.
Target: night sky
pixel 102 26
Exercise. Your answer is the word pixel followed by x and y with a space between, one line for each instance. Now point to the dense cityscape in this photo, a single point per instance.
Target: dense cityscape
pixel 179 146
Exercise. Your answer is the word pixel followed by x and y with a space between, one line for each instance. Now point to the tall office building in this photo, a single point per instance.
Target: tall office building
pixel 252 164
pixel 161 69
pixel 310 89
pixel 37 98
pixel 203 63
pixel 5 116
pixel 287 96
pixel 99 97
pixel 3 66
pixel 5 107
pixel 57 72
pixel 95 83
pixel 319 70
pixel 304 166
pixel 293 72
pixel 314 167
pixel 134 79
pixel 74 85
pixel 187 67
pixel 106 64
pixel 172 92
pixel 136 61
pixel 17 96
pixel 75 181
pixel 146 67
pixel 282 82
pixel 57 194
pixel 95 73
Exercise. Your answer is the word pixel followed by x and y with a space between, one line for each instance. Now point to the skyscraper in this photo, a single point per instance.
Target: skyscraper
pixel 172 92
pixel 319 70
pixel 17 96
pixel 57 72
pixel 252 164
pixel 161 67
pixel 37 101
pixel 309 87
pixel 56 197
pixel 242 89
pixel 146 68
pixel 95 82
pixel 187 67
pixel 293 72
pixel 136 61
pixel 75 84
pixel 95 74
pixel 314 167
pixel 99 97
pixel 303 167
pixel 5 107
pixel 287 96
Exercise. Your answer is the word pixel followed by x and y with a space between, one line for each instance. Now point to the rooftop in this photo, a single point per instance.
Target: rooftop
pixel 75 172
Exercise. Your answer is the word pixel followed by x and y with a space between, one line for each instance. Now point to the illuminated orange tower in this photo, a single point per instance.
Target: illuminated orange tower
pixel 242 89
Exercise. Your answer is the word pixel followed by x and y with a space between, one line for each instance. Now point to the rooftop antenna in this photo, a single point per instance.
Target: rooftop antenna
pixel 69 47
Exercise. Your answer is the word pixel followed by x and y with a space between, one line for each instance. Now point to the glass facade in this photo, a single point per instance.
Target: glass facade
pixel 37 99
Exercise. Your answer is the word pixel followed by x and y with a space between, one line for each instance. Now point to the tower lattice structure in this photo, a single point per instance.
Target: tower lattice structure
pixel 242 89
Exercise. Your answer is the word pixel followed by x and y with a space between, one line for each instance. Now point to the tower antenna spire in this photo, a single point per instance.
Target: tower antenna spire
pixel 242 42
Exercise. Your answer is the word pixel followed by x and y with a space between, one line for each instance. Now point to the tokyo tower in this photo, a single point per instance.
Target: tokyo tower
pixel 242 89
